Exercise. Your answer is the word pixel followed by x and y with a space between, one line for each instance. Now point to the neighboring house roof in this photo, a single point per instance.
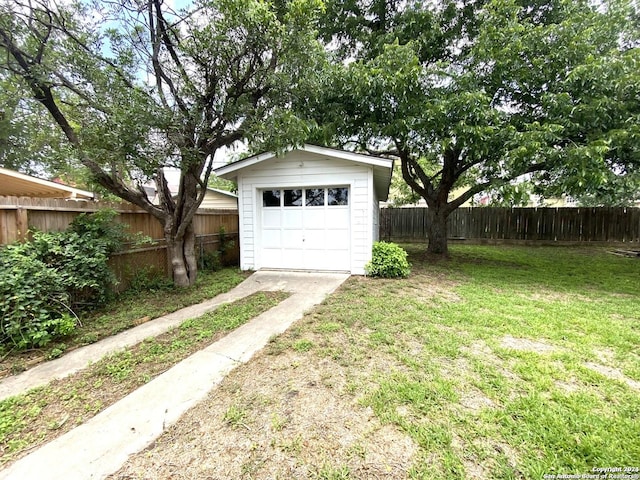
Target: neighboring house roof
pixel 215 198
pixel 382 167
pixel 16 184
pixel 223 192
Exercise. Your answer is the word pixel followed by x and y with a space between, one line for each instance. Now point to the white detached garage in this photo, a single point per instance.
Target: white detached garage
pixel 314 208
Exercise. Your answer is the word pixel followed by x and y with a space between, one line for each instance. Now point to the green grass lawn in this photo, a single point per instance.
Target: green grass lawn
pixel 503 362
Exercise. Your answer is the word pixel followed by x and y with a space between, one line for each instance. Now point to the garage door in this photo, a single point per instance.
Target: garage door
pixel 305 228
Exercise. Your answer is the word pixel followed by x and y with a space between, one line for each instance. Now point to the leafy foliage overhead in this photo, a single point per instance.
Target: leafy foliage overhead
pixel 489 92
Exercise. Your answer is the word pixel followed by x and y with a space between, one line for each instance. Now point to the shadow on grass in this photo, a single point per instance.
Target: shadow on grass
pixel 567 269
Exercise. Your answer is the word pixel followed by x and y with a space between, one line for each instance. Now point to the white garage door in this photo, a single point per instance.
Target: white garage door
pixel 305 228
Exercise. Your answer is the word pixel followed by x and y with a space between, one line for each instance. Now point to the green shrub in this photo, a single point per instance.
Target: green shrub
pixel 211 261
pixel 80 254
pixel 43 281
pixel 388 260
pixel 33 301
pixel 216 259
pixel 225 244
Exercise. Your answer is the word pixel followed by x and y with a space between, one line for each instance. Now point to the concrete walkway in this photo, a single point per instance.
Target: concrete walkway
pixel 100 446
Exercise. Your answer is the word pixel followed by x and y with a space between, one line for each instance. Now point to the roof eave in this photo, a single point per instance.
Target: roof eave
pixel 382 182
pixel 230 171
pixel 223 192
pixel 69 192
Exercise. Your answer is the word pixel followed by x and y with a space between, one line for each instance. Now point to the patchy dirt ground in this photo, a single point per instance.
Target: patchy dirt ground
pixel 526 345
pixel 305 425
pixel 292 414
pixel 614 374
pixel 296 410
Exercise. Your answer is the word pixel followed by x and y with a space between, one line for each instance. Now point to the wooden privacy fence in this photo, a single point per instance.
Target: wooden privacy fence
pixel 19 214
pixel 602 224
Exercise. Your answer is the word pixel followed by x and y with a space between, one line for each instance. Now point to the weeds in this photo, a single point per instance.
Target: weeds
pixel 152 297
pixel 42 414
pixel 235 417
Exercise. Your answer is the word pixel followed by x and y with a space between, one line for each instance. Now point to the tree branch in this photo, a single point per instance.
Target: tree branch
pixel 164 194
pixel 163 29
pixel 412 171
pixel 393 152
pixel 155 60
pixel 481 187
pixel 409 175
pixel 43 93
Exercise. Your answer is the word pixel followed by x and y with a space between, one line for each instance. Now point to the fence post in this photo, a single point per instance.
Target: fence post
pixel 22 224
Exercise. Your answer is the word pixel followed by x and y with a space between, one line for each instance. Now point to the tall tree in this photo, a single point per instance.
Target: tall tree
pixel 135 86
pixel 472 96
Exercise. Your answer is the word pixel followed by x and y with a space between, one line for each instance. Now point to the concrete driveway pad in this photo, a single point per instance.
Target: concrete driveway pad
pixel 100 446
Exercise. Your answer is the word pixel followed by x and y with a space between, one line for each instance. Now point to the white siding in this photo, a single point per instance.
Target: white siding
pixel 303 169
pixel 245 218
pixel 375 218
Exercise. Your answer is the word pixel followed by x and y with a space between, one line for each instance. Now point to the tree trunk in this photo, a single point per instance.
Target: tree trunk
pixel 182 258
pixel 190 253
pixel 175 250
pixel 437 231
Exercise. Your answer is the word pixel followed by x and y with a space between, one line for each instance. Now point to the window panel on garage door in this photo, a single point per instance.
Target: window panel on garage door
pixel 338 196
pixel 293 198
pixel 315 197
pixel 271 198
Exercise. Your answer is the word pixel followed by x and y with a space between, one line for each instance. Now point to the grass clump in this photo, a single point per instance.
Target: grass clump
pixel 235 416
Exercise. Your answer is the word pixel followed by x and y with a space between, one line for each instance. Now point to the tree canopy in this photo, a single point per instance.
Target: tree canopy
pixel 474 97
pixel 135 86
